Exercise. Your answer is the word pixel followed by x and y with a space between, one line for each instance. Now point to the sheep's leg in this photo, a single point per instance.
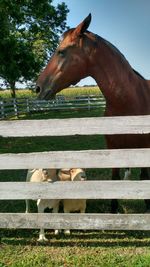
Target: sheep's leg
pixel 66 231
pixel 83 206
pixel 56 232
pixel 55 210
pixel 42 237
pixel 127 174
pixel 82 210
pixel 27 206
pixel 41 210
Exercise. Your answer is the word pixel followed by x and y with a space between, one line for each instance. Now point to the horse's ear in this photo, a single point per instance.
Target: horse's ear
pixel 83 26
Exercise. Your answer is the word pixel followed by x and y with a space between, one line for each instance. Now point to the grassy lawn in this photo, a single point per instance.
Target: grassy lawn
pixel 19 248
pixel 118 249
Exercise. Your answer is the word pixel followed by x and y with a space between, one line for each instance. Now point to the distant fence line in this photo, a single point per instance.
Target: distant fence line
pixel 15 107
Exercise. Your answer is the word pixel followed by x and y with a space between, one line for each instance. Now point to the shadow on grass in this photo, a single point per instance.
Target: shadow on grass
pixel 77 239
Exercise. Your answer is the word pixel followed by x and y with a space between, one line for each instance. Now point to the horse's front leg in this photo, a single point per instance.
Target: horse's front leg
pixel 145 175
pixel 114 202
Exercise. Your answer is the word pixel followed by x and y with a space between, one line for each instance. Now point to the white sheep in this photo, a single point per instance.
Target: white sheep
pixel 43 175
pixel 49 175
pixel 72 205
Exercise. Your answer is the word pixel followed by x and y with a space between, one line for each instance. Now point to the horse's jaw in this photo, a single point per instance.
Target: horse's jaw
pixel 55 87
pixel 47 95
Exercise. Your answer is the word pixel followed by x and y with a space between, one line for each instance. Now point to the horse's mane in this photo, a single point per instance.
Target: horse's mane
pixel 137 73
pixel 100 39
pixel 118 51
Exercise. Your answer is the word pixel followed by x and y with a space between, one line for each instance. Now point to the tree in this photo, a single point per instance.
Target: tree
pixel 29 31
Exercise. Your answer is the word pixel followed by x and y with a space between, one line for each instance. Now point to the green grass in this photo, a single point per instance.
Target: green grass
pixel 19 248
pixel 118 249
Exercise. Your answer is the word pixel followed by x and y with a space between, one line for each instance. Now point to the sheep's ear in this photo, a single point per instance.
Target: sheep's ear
pixel 83 26
pixel 71 170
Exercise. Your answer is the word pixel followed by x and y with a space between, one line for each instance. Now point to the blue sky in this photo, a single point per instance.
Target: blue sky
pixel 124 23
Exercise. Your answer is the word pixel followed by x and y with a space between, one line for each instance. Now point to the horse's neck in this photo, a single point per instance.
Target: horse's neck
pixel 118 83
pixel 148 81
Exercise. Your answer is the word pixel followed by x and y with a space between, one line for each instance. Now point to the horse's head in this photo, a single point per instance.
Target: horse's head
pixel 69 63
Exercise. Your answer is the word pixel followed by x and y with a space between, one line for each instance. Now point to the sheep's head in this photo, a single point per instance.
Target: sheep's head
pixel 48 175
pixel 64 175
pixel 73 174
pixel 77 174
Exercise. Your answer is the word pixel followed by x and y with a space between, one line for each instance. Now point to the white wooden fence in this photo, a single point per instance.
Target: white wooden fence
pixel 15 107
pixel 76 190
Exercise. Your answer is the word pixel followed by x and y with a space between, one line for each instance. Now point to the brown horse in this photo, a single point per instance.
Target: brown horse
pixel 81 54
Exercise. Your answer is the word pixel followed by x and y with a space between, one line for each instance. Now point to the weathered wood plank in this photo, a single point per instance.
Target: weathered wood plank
pixel 76 221
pixel 76 190
pixel 77 159
pixel 57 127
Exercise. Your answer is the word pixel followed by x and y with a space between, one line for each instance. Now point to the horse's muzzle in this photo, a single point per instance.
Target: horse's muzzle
pixel 37 89
pixel 48 95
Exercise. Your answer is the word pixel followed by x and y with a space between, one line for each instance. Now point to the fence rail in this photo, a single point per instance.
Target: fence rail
pixel 76 221
pixel 18 106
pixel 78 159
pixel 73 126
pixel 86 158
pixel 76 190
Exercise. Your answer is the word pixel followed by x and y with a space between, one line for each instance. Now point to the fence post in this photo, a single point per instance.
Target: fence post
pixel 89 103
pixel 2 109
pixel 15 107
pixel 28 107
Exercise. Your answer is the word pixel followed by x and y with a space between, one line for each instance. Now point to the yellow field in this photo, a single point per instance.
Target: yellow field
pixel 71 91
pixel 19 93
pixel 74 91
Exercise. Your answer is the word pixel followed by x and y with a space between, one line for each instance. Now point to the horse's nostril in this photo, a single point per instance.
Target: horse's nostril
pixel 38 89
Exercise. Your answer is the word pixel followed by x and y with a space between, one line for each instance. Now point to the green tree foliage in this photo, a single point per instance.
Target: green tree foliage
pixel 29 32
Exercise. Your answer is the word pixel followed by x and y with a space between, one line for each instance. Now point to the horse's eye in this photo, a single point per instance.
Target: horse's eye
pixel 61 53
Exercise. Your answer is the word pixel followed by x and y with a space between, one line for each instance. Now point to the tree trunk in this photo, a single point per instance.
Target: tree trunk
pixel 12 89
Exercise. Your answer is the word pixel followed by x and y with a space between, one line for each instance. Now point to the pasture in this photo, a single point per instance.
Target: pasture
pixel 19 248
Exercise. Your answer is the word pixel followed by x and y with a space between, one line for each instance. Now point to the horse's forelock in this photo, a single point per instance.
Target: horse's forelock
pixel 70 32
pixel 83 40
pixel 66 33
